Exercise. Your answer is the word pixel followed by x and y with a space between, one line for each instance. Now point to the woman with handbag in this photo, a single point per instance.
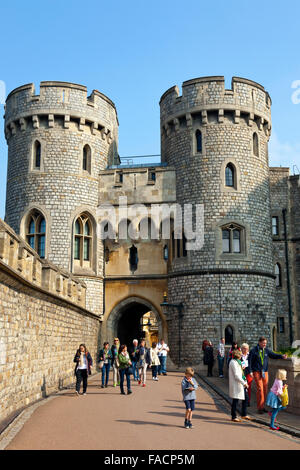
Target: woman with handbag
pixel 83 367
pixel 105 357
pixel 277 397
pixel 124 368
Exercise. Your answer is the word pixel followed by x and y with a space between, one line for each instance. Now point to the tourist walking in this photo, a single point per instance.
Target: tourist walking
pixel 188 387
pixel 124 368
pixel 162 350
pixel 154 361
pixel 105 358
pixel 115 362
pixel 221 357
pixel 237 386
pixel 209 359
pixel 83 367
pixel 245 365
pixel 258 368
pixel 275 397
pixel 134 356
pixel 142 363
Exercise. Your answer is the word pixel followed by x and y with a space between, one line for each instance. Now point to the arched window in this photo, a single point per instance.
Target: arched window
pixel 198 136
pixel 37 153
pixel 278 280
pixel 83 241
pixel 148 229
pixel 255 144
pixel 232 239
pixel 230 175
pixel 229 336
pixel 86 158
pixel 36 232
pixel 125 230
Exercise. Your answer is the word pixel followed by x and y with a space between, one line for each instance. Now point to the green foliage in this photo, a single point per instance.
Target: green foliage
pixel 289 352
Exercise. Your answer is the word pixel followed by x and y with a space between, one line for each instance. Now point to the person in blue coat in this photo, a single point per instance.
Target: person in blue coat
pixel 188 387
pixel 258 363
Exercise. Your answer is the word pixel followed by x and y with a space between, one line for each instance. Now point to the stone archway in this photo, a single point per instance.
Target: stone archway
pixel 125 318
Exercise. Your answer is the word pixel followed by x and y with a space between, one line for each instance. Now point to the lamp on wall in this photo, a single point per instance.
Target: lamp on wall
pixel 166 253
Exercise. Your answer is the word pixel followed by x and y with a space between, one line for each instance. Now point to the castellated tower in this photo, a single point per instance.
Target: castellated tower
pixel 58 142
pixel 217 140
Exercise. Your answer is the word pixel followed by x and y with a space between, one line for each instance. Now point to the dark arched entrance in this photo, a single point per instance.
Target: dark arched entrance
pixel 129 324
pixel 133 318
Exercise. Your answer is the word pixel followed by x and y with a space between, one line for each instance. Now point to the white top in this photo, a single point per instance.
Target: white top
pixel 164 351
pixel 85 364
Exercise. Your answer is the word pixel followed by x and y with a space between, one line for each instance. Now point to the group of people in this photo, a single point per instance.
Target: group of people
pixel 244 366
pixel 123 362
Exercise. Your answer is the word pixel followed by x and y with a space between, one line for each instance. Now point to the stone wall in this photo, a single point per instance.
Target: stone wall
pixel 43 320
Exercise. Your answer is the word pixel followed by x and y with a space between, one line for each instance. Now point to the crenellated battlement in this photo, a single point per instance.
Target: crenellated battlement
pixel 67 102
pixel 21 259
pixel 201 97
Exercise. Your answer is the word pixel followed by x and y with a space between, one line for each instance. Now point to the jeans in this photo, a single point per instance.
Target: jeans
pixel 275 413
pixel 221 364
pixel 105 373
pixel 244 406
pixel 210 369
pixel 81 376
pixel 124 372
pixel 154 371
pixel 135 370
pixel 116 375
pixel 162 368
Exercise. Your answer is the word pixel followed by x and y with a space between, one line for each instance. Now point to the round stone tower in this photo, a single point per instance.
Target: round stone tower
pixel 217 140
pixel 58 142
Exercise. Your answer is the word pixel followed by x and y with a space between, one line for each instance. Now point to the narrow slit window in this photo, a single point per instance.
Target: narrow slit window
pixel 198 141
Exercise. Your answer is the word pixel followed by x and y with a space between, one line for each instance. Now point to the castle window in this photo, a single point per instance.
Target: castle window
pixel 230 175
pixel 148 230
pixel 133 258
pixel 232 239
pixel 278 280
pixel 36 232
pixel 119 177
pixel 151 175
pixel 83 241
pixel 86 158
pixel 275 225
pixel 37 155
pixel 184 250
pixel 280 323
pixel 198 136
pixel 255 144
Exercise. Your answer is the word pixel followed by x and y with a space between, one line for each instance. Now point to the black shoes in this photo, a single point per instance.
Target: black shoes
pixel 129 392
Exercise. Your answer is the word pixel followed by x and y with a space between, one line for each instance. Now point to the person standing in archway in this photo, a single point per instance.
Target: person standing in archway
pixel 115 362
pixel 134 356
pixel 124 368
pixel 163 350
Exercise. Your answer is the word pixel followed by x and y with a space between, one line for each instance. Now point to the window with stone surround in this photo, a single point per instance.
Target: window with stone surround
pixel 275 226
pixel 230 176
pixel 83 242
pixel 232 238
pixel 198 137
pixel 278 280
pixel 280 324
pixel 86 158
pixel 255 144
pixel 36 232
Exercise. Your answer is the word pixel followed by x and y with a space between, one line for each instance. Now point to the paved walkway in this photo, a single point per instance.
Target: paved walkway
pixel 151 418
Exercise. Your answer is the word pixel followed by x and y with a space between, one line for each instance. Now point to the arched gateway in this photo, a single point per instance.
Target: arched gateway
pixel 134 317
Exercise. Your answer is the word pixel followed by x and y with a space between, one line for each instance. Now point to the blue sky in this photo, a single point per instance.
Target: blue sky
pixel 134 50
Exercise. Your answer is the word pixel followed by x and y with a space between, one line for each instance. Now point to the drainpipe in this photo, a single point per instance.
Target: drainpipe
pixel 288 276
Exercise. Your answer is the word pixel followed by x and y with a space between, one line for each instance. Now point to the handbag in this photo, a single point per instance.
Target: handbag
pixel 101 364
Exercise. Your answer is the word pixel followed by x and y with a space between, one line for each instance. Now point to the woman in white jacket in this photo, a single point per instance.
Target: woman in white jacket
pixel 155 362
pixel 237 386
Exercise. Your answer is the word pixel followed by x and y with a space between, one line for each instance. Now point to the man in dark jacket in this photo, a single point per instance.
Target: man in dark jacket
pixel 134 356
pixel 258 368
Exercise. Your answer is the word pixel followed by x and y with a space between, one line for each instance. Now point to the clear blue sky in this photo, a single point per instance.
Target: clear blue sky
pixel 134 50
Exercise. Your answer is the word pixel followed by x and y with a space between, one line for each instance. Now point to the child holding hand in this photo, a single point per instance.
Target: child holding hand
pixel 188 387
pixel 275 395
